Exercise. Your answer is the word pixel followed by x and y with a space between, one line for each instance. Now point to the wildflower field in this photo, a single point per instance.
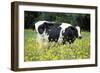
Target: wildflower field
pixel 80 49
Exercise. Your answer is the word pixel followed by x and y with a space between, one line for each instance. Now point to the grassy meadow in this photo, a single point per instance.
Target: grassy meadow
pixel 80 49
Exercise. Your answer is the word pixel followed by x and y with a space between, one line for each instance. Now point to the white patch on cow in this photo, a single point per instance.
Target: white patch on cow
pixel 50 22
pixel 42 41
pixel 63 27
pixel 78 29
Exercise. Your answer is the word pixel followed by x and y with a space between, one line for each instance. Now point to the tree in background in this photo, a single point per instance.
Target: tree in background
pixel 76 19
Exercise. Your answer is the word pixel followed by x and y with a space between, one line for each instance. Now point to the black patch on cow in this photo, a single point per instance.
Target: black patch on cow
pixel 54 33
pixel 70 34
pixel 47 26
pixel 50 26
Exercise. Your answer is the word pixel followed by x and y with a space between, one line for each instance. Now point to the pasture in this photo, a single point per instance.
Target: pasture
pixel 80 49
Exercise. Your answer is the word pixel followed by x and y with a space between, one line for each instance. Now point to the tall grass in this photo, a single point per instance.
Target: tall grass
pixel 80 49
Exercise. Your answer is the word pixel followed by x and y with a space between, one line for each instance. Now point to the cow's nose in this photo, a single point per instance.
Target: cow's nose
pixel 80 37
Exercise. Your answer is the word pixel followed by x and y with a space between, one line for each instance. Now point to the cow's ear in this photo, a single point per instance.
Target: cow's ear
pixel 41 29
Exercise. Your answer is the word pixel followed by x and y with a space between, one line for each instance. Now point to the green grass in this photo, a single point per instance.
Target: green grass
pixel 80 49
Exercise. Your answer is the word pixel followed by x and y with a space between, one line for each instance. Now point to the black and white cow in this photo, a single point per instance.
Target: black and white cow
pixel 52 31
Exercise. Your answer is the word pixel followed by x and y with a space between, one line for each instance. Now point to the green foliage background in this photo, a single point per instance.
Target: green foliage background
pixel 82 20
